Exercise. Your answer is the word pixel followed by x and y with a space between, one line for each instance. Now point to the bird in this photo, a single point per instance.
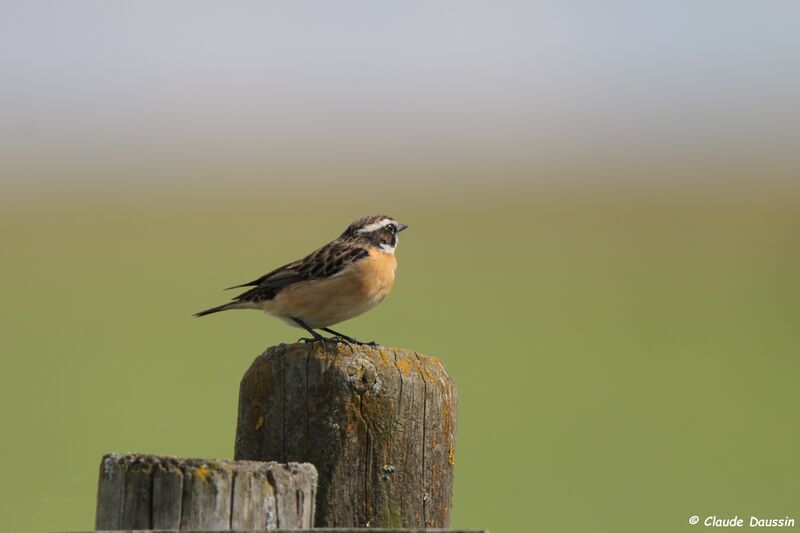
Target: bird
pixel 336 282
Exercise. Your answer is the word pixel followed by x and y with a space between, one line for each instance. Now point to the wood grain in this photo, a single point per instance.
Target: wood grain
pixel 378 423
pixel 142 492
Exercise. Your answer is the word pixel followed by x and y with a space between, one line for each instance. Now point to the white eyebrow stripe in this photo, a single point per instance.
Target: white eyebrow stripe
pixel 376 225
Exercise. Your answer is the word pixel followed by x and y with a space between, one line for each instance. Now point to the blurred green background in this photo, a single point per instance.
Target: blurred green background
pixel 604 212
pixel 622 362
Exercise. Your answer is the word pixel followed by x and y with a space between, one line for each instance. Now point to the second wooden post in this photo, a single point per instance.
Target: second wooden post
pixel 378 423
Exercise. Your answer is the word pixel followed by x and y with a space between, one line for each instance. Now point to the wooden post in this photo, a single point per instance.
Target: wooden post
pixel 158 492
pixel 378 423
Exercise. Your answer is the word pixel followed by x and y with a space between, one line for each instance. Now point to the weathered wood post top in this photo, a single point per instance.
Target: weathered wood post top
pixel 151 492
pixel 378 423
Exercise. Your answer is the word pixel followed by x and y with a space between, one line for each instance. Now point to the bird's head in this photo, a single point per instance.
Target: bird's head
pixel 378 230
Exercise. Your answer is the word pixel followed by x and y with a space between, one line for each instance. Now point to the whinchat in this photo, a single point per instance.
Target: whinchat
pixel 341 280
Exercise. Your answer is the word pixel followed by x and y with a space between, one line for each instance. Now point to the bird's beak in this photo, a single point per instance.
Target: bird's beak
pixel 401 227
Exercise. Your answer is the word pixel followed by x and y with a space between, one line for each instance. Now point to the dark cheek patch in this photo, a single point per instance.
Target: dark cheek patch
pixel 377 238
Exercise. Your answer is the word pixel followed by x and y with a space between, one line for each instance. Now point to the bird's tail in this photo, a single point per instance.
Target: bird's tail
pixel 223 307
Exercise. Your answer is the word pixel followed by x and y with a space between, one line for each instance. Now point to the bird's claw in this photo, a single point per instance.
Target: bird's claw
pixel 351 340
pixel 362 343
pixel 337 339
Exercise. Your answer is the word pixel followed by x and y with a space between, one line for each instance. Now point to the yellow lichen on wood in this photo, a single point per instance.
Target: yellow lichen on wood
pixel 203 473
pixel 259 422
pixel 423 363
pixel 447 419
pixel 402 365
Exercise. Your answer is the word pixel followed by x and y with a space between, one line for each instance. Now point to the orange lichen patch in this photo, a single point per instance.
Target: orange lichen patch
pixel 451 455
pixel 375 411
pixel 403 366
pixel 447 418
pixel 424 366
pixel 259 422
pixel 203 473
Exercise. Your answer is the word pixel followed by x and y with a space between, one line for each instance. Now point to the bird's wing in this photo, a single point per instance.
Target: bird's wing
pixel 321 263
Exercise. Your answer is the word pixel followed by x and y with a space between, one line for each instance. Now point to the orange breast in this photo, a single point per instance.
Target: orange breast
pixel 376 273
pixel 325 302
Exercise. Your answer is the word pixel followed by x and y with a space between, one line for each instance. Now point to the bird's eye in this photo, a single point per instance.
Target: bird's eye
pixel 391 228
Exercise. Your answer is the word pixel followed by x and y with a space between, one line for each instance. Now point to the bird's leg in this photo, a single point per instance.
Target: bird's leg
pixel 340 335
pixel 347 338
pixel 316 336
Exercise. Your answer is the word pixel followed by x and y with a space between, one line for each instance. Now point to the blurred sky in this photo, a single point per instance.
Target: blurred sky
pixel 476 90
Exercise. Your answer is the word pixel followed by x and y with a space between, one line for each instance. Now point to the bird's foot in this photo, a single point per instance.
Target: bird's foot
pixel 351 340
pixel 345 338
pixel 335 340
pixel 370 343
pixel 338 340
pixel 362 343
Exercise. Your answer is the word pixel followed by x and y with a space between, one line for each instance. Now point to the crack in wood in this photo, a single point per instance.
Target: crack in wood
pixel 425 487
